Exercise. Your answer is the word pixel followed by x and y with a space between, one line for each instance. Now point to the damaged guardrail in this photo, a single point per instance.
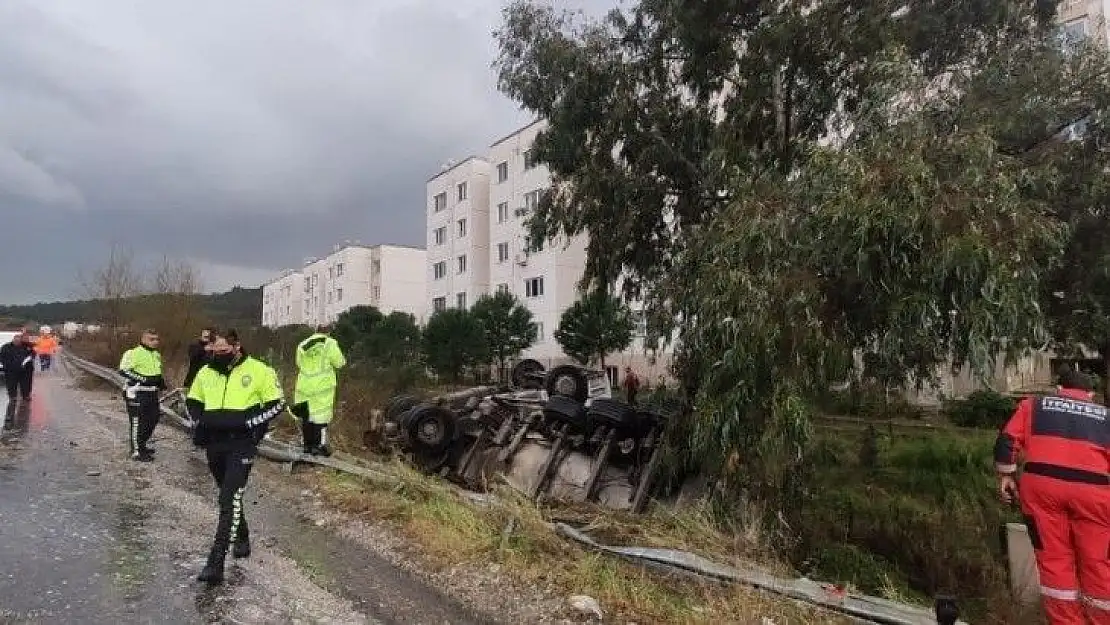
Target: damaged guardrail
pixel 863 608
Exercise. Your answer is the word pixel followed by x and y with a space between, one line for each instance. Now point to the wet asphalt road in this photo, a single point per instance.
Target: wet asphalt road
pixel 87 536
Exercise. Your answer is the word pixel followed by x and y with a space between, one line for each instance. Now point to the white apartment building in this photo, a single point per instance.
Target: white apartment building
pixel 458 269
pixel 1083 19
pixel 502 189
pixel 387 277
pixel 281 300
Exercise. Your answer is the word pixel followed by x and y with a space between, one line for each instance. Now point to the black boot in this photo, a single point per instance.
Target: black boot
pixel 242 548
pixel 213 572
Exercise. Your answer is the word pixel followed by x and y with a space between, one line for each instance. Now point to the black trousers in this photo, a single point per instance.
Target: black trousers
pixel 314 434
pixel 143 413
pixel 19 384
pixel 230 463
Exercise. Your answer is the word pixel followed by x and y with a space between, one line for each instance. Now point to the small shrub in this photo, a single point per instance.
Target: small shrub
pixel 981 409
pixel 869 449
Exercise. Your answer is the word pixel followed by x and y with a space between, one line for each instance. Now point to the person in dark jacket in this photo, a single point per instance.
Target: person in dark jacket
pixel 200 353
pixel 17 358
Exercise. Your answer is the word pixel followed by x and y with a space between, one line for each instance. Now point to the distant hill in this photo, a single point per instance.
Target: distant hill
pixel 238 307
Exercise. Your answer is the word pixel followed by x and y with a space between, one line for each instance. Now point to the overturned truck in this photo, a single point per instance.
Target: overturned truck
pixel 551 434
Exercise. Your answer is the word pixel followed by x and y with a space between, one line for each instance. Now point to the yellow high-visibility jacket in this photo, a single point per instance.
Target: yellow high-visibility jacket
pixel 318 358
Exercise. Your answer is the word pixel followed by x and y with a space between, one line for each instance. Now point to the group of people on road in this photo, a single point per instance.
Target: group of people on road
pixel 232 399
pixel 18 357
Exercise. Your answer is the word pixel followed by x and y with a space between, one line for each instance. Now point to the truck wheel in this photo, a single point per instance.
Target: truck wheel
pixel 568 381
pixel 398 406
pixel 524 374
pixel 563 410
pixel 430 428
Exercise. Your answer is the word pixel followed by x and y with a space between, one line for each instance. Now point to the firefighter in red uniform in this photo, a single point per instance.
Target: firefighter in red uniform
pixel 1064 440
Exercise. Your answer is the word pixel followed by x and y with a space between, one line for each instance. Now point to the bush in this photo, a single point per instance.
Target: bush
pixel 923 521
pixel 981 409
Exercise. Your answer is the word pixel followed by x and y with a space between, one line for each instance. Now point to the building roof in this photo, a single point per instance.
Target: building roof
pixel 472 157
pixel 516 132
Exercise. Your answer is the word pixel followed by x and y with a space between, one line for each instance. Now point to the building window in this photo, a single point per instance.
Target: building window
pixel 1073 33
pixel 502 212
pixel 440 201
pixel 307 285
pixel 439 270
pixel 339 269
pixel 376 267
pixel 462 191
pixel 462 227
pixel 539 332
pixel 331 273
pixel 529 159
pixel 536 246
pixel 462 263
pixel 502 171
pixel 533 287
pixel 329 297
pixel 532 200
pixel 376 292
pixel 460 301
pixel 439 304
pixel 502 252
pixel 339 295
pixel 441 235
pixel 503 287
pixel 639 321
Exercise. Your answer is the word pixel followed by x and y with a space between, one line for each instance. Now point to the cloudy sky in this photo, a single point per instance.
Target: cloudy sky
pixel 242 136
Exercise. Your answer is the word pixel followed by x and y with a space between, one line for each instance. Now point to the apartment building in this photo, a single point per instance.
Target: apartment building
pixel 458 269
pixel 502 189
pixel 388 277
pixel 281 300
pixel 1081 20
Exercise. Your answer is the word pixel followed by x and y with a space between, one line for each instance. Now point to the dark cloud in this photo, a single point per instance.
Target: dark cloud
pixel 242 136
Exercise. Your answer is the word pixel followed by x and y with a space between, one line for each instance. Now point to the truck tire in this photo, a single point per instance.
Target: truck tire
pixel 568 381
pixel 614 414
pixel 429 429
pixel 562 410
pixel 398 405
pixel 524 374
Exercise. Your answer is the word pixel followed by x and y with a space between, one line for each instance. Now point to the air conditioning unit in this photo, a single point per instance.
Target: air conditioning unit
pixel 520 212
pixel 522 259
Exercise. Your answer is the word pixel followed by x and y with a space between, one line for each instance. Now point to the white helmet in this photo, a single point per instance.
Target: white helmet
pixel 45 330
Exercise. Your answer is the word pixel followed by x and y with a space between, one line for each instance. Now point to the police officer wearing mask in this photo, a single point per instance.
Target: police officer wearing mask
pixel 234 397
pixel 141 368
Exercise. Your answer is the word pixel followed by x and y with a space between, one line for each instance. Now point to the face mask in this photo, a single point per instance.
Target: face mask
pixel 222 362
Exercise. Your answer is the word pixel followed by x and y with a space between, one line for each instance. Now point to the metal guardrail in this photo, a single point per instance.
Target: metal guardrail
pixel 862 608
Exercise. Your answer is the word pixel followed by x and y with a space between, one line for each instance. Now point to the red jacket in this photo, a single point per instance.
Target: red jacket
pixel 1065 436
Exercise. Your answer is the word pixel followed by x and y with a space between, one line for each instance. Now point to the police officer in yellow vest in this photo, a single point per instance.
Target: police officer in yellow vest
pixel 318 357
pixel 141 367
pixel 234 397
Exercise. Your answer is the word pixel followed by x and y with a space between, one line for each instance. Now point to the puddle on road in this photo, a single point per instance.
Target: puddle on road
pixel 130 563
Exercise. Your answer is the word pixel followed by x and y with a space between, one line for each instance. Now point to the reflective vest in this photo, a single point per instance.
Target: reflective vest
pixel 46 345
pixel 248 396
pixel 1064 436
pixel 141 367
pixel 318 357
